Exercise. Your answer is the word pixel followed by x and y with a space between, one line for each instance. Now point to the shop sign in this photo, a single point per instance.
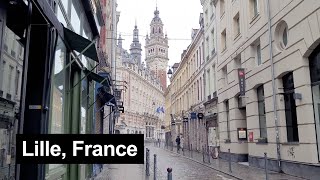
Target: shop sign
pixel 242 133
pixel 242 82
pixel 200 115
pixel 193 115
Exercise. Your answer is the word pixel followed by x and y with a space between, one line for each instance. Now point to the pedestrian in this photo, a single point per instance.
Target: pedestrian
pixel 182 143
pixel 178 143
pixel 159 142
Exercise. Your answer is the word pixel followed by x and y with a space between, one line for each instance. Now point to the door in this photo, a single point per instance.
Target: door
pixel 316 106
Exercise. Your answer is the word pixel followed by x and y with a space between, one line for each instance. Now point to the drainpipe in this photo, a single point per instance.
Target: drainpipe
pixel 274 88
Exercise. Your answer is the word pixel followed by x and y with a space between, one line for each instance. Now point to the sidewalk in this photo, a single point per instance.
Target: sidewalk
pixel 239 171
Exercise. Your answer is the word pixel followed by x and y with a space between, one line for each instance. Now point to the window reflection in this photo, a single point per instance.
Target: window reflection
pixel 75 16
pixel 57 97
pixel 10 84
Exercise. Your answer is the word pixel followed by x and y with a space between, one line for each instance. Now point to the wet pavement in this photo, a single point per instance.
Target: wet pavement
pixel 186 166
pixel 183 169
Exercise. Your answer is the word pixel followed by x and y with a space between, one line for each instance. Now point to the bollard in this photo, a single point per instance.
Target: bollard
pixel 169 170
pixel 147 162
pixel 203 154
pixel 229 161
pixel 266 165
pixel 171 146
pixel 155 167
pixel 208 153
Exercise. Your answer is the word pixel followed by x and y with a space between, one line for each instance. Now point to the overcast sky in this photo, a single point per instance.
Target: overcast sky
pixel 178 17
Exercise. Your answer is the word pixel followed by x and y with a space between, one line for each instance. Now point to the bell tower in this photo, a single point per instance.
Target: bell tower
pixel 135 47
pixel 156 49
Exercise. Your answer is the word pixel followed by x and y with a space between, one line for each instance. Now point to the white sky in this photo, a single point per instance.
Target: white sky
pixel 178 17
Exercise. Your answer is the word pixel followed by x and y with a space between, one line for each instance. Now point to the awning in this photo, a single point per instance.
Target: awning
pixel 79 43
pixel 106 97
pixel 17 17
pixel 93 76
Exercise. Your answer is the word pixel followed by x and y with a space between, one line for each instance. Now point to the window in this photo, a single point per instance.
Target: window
pixel 281 35
pixel 314 64
pixel 254 8
pixel 17 82
pixel 57 93
pixel 290 108
pixel 285 37
pixel 9 85
pixel 225 75
pixel 224 40
pixel 197 59
pixel 262 112
pixel 258 54
pixel 2 72
pixel 75 16
pixel 208 83
pixel 222 7
pixel 236 25
pixel 214 78
pixel 213 44
pixel 227 118
pixel 198 90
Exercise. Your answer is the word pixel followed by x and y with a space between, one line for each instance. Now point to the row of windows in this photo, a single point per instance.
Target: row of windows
pixel 290 110
pixel 281 30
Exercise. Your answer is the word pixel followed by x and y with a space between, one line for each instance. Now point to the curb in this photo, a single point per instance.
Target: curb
pixel 202 164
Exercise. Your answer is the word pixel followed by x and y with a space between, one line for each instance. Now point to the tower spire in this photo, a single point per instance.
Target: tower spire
pixel 135 22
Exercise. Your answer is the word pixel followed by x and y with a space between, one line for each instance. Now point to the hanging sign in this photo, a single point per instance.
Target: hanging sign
pixel 242 81
pixel 200 115
pixel 193 115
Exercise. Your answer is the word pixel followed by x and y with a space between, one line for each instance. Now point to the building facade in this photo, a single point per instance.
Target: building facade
pixel 276 44
pixel 210 80
pixel 187 93
pixel 142 93
pixel 47 80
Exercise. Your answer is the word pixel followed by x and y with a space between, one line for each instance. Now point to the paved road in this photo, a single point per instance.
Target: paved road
pixel 183 169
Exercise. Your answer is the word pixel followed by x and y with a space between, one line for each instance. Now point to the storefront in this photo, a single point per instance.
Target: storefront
pixel 47 85
pixel 212 126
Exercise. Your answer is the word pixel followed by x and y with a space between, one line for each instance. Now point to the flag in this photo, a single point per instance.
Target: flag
pixel 162 109
pixel 158 110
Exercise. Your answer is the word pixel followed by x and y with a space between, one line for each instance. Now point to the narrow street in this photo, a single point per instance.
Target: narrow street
pixel 187 166
pixel 183 169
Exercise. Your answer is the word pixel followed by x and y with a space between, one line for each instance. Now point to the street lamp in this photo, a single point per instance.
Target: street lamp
pixel 169 73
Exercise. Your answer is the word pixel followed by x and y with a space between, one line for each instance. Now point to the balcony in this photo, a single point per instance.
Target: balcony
pixel 212 15
pixel 214 94
pixel 209 97
pixel 213 51
pixel 13 53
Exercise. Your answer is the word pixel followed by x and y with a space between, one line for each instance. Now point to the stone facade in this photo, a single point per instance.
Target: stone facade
pixel 143 92
pixel 279 117
pixel 187 93
pixel 279 113
pixel 156 49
